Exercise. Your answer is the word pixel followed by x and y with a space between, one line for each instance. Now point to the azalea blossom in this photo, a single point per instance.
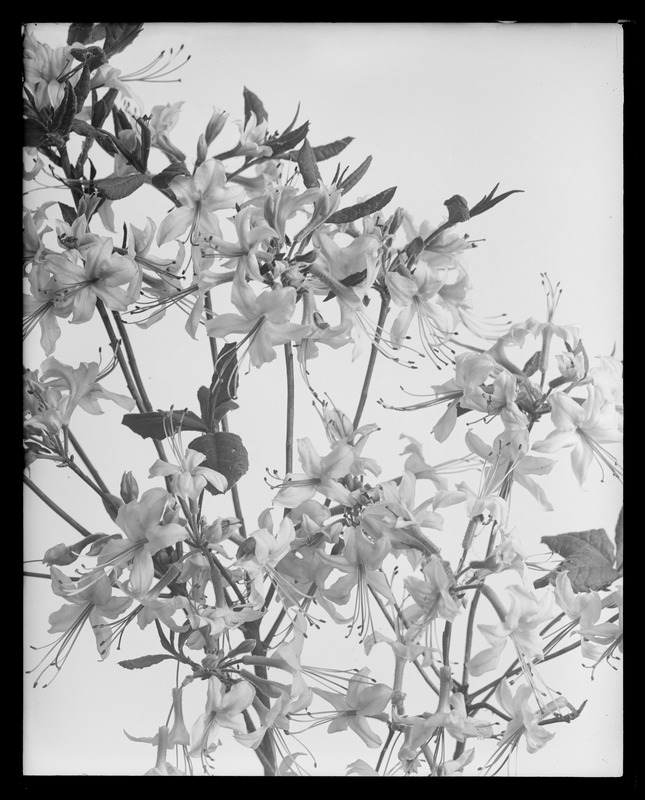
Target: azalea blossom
pixel 264 319
pixel 200 196
pixel 584 428
pixel 188 478
pixel 223 710
pixel 362 700
pixel 142 522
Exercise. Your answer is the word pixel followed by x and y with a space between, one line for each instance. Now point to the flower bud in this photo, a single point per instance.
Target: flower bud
pixel 202 150
pixel 60 555
pixel 129 489
pixel 215 125
pixel 457 209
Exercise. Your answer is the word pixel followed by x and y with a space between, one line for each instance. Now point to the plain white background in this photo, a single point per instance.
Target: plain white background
pixel 443 109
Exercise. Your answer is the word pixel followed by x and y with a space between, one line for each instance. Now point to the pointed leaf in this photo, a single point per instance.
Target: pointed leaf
pixel 82 88
pixel 308 167
pixel 120 186
pixel 34 132
pixel 360 210
pixel 532 365
pixel 323 152
pixel 143 661
pixel 217 401
pixel 253 105
pixel 351 180
pixel 287 140
pixel 588 558
pixel 101 109
pixel 163 179
pixel 225 453
pixel 69 213
pixel 489 201
pixel 150 425
pixel 119 35
pixel 619 542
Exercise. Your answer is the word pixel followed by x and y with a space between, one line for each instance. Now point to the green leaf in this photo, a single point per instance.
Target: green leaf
pixel 144 661
pixel 82 88
pixel 102 108
pixel 146 141
pixel 120 186
pixel 163 179
pixel 217 401
pixel 119 35
pixel 323 152
pixel 588 558
pixel 307 165
pixel 253 104
pixel 61 122
pixel 360 210
pixel 34 133
pixel 150 425
pixel 352 179
pixel 287 140
pixel 487 202
pixel 225 453
pixel 619 542
pixel 69 213
pixel 531 366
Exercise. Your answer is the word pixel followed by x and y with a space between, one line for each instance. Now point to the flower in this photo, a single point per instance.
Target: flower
pixel 88 599
pixel 432 596
pixel 363 699
pixel 142 522
pixel 584 427
pixel 264 319
pixel 223 710
pixel 200 196
pixel 321 475
pixel 188 478
pixel 100 275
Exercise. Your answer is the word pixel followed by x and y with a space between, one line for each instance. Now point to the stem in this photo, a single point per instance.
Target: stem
pixel 208 305
pixel 288 357
pixel 125 338
pixel 57 509
pixel 117 351
pixel 385 307
pixel 105 496
pixel 84 458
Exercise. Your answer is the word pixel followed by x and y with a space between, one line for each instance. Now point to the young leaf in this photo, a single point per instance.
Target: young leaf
pixel 253 105
pixel 588 558
pixel 69 213
pixel 323 152
pixel 360 210
pixel 352 179
pixel 619 542
pixel 307 165
pixel 119 35
pixel 120 186
pixel 150 425
pixel 225 453
pixel 143 661
pixel 489 201
pixel 287 140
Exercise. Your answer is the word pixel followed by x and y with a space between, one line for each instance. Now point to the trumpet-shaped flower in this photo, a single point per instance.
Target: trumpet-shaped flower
pixel 264 319
pixel 188 478
pixel 200 196
pixel 142 522
pixel 223 710
pixel 362 700
pixel 584 428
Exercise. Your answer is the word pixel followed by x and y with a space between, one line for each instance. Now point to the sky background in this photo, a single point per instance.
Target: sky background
pixel 443 109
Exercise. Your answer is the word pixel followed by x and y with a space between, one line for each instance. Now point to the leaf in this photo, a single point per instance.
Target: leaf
pixel 79 32
pixel 588 558
pixel 307 165
pixel 163 179
pixel 64 115
pixel 144 661
pixel 102 108
pixel 253 105
pixel 150 425
pixel 120 186
pixel 287 140
pixel 352 179
pixel 246 646
pixel 146 141
pixel 619 542
pixel 82 88
pixel 119 35
pixel 360 210
pixel 531 366
pixel 487 202
pixel 69 213
pixel 225 453
pixel 34 133
pixel 217 401
pixel 325 151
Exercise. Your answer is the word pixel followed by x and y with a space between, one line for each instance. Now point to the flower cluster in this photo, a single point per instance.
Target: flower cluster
pixel 264 258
